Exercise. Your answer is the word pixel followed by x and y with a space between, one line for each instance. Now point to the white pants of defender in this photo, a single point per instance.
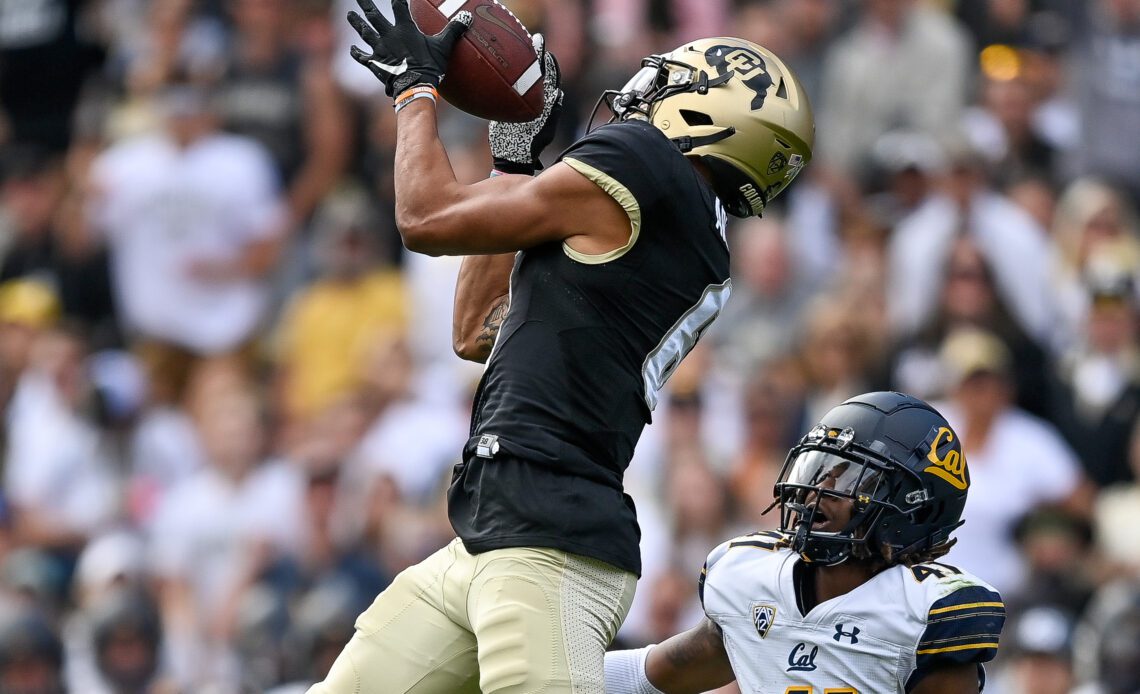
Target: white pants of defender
pixel 511 621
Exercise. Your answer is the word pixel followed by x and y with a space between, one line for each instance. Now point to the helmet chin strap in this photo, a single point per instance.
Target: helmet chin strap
pixel 802 533
pixel 688 143
pixel 704 84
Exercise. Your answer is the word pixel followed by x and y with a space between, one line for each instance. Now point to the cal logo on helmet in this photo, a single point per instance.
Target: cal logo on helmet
pixel 948 463
pixel 747 64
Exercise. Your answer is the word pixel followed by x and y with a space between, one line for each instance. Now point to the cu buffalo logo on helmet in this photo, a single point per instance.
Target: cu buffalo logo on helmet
pixel 747 64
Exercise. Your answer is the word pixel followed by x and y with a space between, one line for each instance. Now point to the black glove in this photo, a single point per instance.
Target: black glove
pixel 516 147
pixel 402 56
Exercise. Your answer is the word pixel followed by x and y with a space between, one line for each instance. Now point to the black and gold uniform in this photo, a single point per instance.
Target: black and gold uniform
pixel 578 361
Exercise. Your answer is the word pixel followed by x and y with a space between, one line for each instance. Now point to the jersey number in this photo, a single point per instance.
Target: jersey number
pixel 808 690
pixel 680 340
pixel 924 571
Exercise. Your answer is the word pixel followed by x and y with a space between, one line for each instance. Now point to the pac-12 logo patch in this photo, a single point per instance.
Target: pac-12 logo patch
pixel 747 64
pixel 762 617
pixel 777 162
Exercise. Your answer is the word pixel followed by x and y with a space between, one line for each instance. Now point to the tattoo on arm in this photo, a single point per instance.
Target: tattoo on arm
pixel 491 324
pixel 705 644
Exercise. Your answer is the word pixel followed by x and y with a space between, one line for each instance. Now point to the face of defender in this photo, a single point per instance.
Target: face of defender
pixel 824 487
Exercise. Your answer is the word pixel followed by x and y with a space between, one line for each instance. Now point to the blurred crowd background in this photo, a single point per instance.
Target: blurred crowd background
pixel 229 400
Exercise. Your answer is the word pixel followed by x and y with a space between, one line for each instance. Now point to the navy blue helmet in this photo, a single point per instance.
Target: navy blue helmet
pixel 901 464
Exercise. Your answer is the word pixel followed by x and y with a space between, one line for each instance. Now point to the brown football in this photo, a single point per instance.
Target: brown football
pixel 493 72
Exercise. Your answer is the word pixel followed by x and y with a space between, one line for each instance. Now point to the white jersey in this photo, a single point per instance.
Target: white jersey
pixel 882 637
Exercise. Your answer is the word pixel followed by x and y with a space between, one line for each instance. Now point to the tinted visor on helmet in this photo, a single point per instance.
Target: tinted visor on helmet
pixel 804 482
pixel 658 78
pixel 639 86
pixel 828 473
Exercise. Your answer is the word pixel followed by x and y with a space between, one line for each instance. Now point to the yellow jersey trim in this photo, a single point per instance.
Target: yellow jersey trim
pixel 623 197
pixel 963 647
pixel 954 608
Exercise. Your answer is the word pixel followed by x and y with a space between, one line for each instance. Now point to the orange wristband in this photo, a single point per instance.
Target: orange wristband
pixel 421 91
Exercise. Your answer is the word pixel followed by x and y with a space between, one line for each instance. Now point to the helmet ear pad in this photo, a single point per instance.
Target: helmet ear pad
pixel 735 190
pixel 909 532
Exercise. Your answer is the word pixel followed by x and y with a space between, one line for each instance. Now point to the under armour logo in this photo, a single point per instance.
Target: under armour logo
pixel 802 660
pixel 840 634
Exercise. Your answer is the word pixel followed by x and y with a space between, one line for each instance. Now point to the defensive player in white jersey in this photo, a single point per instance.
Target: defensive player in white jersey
pixel 846 598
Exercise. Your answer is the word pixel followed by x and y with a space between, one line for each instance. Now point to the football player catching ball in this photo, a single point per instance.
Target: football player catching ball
pixel 583 289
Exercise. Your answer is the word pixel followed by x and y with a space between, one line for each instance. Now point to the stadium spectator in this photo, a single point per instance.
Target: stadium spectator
pixel 670 604
pixel 1040 661
pixel 1106 638
pixel 128 640
pixel 1108 92
pixel 835 351
pixel 773 416
pixel 700 505
pixel 1035 195
pixel 1098 388
pixel 1017 462
pixel 26 309
pixel 1062 566
pixel 193 219
pixel 284 96
pixel 800 31
pixel 330 324
pixel 1013 246
pixel 46 57
pixel 770 291
pixel 903 65
pixel 57 473
pixel 1044 67
pixel 412 438
pixel 910 162
pixel 218 531
pixel 322 624
pixel 31 657
pixel 1116 514
pixel 1001 129
pixel 50 248
pixel 969 297
pixel 163 449
pixel 174 40
pixel 333 548
pixel 111 565
pixel 1093 223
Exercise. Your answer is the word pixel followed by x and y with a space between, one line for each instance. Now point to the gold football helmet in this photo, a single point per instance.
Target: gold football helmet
pixel 734 105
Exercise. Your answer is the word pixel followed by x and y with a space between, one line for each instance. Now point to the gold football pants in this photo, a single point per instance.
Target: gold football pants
pixel 510 621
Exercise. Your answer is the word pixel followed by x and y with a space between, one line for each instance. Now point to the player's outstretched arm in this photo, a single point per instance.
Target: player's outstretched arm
pixel 952 679
pixel 437 215
pixel 688 663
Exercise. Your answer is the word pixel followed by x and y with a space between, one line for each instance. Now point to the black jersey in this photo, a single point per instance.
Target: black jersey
pixel 586 344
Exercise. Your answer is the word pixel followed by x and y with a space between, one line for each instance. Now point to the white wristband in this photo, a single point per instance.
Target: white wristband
pixel 412 97
pixel 625 672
